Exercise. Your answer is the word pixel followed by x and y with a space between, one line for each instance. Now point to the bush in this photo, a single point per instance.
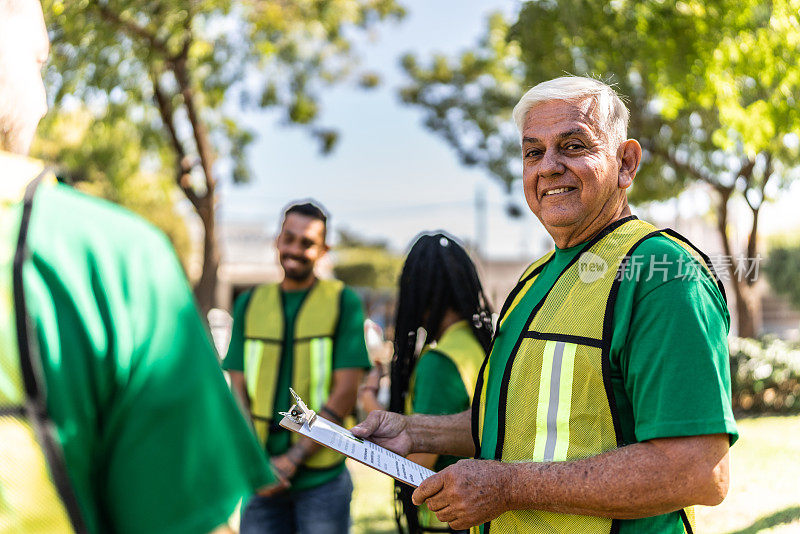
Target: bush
pixel 765 376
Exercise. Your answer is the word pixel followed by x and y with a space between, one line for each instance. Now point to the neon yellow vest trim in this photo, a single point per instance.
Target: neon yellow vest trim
pixel 315 328
pixel 560 405
pixel 29 500
pixel 459 344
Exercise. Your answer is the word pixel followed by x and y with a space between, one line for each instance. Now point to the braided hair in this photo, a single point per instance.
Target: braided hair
pixel 438 275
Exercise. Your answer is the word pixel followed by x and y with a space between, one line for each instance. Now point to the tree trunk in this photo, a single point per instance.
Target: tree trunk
pixel 205 290
pixel 745 316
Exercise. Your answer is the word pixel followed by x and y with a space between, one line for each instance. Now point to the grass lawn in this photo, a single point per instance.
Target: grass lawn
pixel 764 494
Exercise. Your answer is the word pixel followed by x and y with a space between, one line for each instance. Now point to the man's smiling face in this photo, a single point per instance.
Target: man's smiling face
pixel 570 168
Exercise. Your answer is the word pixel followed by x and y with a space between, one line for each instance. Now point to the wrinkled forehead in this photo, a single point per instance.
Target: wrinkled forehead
pixel 553 117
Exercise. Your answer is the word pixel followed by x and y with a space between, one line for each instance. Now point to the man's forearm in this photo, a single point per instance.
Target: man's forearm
pixel 639 480
pixel 442 434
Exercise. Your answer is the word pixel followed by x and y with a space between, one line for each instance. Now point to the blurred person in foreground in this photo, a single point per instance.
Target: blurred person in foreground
pixel 113 408
pixel 439 291
pixel 306 333
pixel 604 405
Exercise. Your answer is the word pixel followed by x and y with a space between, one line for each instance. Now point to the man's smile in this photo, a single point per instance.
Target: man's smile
pixel 558 191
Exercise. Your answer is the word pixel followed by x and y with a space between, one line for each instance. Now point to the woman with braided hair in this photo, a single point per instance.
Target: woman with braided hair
pixel 441 293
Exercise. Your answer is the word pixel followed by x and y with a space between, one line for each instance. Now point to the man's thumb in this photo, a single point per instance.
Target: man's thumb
pixel 366 427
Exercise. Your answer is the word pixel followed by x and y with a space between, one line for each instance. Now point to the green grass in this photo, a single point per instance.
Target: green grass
pixel 764 496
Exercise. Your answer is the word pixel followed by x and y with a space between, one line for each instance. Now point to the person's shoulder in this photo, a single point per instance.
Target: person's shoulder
pixel 436 361
pixel 665 259
pixel 660 247
pixel 350 298
pixel 662 260
pixel 83 219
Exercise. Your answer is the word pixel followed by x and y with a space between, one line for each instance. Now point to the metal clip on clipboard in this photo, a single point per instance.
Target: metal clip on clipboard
pixel 299 413
pixel 305 421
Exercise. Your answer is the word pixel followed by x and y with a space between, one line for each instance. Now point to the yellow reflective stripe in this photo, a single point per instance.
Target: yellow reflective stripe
pixel 544 401
pixel 554 404
pixel 564 402
pixel 253 353
pixel 321 349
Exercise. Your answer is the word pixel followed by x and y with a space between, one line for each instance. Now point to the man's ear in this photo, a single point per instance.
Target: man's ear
pixel 630 155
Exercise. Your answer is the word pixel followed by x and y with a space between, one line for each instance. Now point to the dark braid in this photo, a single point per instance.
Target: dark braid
pixel 438 275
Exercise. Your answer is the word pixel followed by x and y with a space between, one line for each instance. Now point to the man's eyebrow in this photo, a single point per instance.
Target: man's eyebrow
pixel 570 133
pixel 562 135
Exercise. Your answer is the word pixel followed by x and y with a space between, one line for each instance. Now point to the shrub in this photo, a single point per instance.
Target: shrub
pixel 765 375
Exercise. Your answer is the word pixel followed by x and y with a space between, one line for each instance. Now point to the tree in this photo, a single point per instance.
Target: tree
pixel 172 68
pixel 711 85
pixel 364 263
pixel 783 271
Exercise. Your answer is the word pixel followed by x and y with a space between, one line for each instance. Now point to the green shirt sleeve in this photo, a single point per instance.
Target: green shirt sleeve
pixel 349 347
pixel 438 387
pixel 140 405
pixel 234 358
pixel 675 362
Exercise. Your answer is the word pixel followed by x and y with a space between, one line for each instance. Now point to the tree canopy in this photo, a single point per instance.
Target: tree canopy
pixel 712 87
pixel 172 77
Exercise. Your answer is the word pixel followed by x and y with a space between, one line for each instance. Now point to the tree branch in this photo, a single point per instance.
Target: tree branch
pixel 184 164
pixel 199 130
pixel 691 170
pixel 130 27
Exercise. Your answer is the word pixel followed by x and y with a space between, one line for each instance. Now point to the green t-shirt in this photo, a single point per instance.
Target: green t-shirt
pixel 680 388
pixel 439 390
pixel 349 351
pixel 134 389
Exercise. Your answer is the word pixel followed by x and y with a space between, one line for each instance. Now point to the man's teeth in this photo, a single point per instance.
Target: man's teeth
pixel 559 190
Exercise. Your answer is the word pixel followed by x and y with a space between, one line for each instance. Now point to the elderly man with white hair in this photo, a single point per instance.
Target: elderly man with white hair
pixel 604 405
pixel 113 409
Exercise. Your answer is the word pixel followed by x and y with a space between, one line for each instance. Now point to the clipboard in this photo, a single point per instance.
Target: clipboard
pixel 302 420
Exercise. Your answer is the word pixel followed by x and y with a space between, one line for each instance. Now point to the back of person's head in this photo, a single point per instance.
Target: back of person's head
pixel 610 109
pixel 24 47
pixel 438 275
pixel 307 208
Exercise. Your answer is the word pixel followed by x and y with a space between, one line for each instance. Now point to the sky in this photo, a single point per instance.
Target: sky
pixel 390 178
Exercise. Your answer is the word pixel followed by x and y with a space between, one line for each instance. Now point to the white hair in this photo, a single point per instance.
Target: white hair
pixel 613 115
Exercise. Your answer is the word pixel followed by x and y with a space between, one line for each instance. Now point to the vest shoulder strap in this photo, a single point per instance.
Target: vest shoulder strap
pixel 319 314
pixel 460 345
pixel 264 315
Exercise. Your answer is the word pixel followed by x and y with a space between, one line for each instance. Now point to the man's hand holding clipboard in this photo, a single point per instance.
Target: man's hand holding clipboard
pixel 305 421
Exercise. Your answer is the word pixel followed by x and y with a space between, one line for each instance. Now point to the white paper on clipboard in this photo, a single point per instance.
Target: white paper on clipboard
pixel 342 440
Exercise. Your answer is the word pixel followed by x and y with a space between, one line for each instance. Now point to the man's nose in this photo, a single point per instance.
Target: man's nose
pixel 550 164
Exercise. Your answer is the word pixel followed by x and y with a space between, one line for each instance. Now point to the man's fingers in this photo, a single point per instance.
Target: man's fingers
pixel 365 428
pixel 446 514
pixel 429 487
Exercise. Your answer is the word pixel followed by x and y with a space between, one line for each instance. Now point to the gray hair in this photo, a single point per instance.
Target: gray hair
pixel 611 110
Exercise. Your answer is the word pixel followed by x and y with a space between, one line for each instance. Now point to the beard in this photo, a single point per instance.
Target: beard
pixel 299 271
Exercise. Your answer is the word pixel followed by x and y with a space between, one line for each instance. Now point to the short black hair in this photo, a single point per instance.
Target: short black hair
pixel 308 208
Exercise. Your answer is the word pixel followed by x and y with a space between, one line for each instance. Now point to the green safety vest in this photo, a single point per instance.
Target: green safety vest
pixel 35 492
pixel 460 345
pixel 314 332
pixel 559 405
